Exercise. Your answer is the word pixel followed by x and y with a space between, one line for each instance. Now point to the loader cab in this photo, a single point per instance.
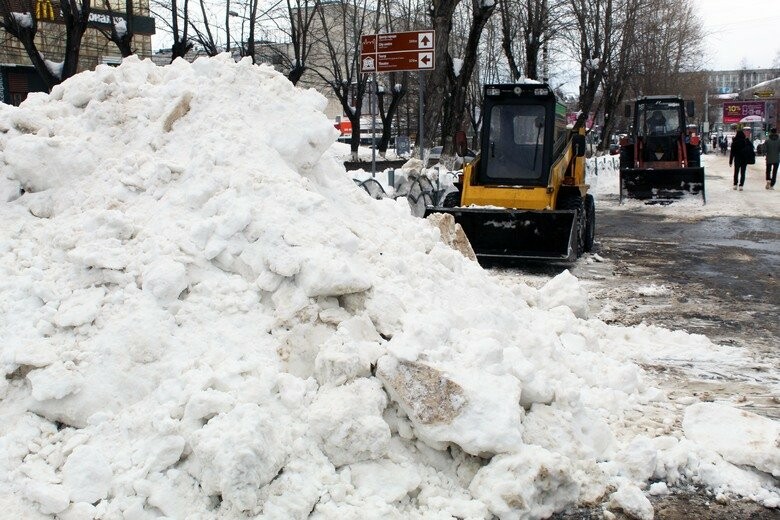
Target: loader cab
pixel 659 124
pixel 524 130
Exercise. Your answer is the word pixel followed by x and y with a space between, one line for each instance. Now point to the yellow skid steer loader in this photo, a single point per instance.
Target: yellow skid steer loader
pixel 525 196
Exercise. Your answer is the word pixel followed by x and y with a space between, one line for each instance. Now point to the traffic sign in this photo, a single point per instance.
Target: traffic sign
pixel 391 52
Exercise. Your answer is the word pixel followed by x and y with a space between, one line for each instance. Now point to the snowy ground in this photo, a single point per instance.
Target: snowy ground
pixel 601 275
pixel 639 277
pixel 205 318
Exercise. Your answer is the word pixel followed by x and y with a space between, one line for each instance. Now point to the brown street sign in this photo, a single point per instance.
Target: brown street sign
pixel 368 44
pixel 400 61
pixel 405 41
pixel 392 52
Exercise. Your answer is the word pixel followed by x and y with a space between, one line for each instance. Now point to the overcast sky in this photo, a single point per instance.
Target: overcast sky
pixel 740 30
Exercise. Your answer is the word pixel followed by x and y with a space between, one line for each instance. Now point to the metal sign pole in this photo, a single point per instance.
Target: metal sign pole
pixel 421 130
pixel 371 101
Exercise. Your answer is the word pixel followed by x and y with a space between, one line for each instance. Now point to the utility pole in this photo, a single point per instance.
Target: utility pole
pixel 706 129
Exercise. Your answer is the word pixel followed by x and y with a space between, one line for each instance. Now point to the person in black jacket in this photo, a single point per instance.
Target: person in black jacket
pixel 772 150
pixel 740 149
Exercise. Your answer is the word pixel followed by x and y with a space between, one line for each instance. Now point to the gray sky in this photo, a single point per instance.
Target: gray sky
pixel 738 30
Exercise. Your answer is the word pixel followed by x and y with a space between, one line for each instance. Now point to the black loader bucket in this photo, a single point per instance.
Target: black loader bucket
pixel 521 234
pixel 661 186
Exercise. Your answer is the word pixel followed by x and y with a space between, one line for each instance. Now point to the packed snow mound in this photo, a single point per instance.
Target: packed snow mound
pixel 203 317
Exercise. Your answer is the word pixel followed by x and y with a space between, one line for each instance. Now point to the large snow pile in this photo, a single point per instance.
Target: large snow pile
pixel 203 317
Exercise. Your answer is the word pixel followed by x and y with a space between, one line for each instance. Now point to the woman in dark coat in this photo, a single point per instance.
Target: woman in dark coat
pixel 739 153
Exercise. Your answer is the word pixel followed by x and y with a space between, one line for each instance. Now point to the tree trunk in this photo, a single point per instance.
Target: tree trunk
pixel 455 111
pixel 437 81
pixel 296 73
pixel 387 117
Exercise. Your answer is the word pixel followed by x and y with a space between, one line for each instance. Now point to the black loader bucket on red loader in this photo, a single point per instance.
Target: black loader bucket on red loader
pixel 661 186
pixel 520 234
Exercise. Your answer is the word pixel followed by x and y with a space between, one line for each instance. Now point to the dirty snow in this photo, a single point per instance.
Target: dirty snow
pixel 203 317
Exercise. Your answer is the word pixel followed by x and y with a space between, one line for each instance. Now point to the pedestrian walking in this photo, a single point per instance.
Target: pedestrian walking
pixel 741 150
pixel 772 150
pixel 724 144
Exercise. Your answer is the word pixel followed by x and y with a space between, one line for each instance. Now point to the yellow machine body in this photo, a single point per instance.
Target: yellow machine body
pixel 525 195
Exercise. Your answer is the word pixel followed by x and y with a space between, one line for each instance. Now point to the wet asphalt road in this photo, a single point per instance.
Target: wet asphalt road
pixel 729 265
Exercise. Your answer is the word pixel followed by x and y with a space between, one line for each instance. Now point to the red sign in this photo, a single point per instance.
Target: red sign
pixel 412 50
pixel 571 118
pixel 743 111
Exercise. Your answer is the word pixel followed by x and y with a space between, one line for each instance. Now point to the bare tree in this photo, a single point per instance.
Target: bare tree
pixel 342 23
pixel 398 16
pixel 214 37
pixel 176 20
pixel 621 64
pixel 490 69
pixel 387 110
pixel 205 35
pixel 447 91
pixel 121 32
pixel 395 86
pixel 301 14
pixel 24 27
pixel 527 26
pixel 441 13
pixel 592 43
pixel 460 80
pixel 670 37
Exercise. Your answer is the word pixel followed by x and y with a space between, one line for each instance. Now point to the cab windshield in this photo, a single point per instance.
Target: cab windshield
pixel 515 149
pixel 659 118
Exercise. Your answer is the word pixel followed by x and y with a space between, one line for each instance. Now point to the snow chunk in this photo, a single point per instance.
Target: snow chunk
pixel 51 498
pixel 348 420
pixel 479 412
pixel 87 474
pixel 237 453
pixel 23 19
pixel 658 489
pixel 564 290
pixel 384 479
pixel 652 290
pixel 739 436
pixel 55 381
pixel 165 279
pixel 633 502
pixel 534 483
pixel 80 308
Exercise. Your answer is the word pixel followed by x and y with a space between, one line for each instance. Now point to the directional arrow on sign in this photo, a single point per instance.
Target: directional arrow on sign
pixel 425 60
pixel 425 41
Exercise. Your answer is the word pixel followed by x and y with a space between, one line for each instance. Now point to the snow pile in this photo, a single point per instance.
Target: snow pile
pixel 203 317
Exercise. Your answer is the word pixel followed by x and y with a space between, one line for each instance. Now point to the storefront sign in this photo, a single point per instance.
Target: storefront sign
pixel 743 111
pixel 51 11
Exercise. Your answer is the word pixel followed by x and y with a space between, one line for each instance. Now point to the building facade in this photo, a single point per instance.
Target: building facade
pixel 18 77
pixel 718 90
pixel 733 81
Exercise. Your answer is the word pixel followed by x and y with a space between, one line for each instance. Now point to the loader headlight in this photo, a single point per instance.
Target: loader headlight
pixel 540 92
pixel 493 92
